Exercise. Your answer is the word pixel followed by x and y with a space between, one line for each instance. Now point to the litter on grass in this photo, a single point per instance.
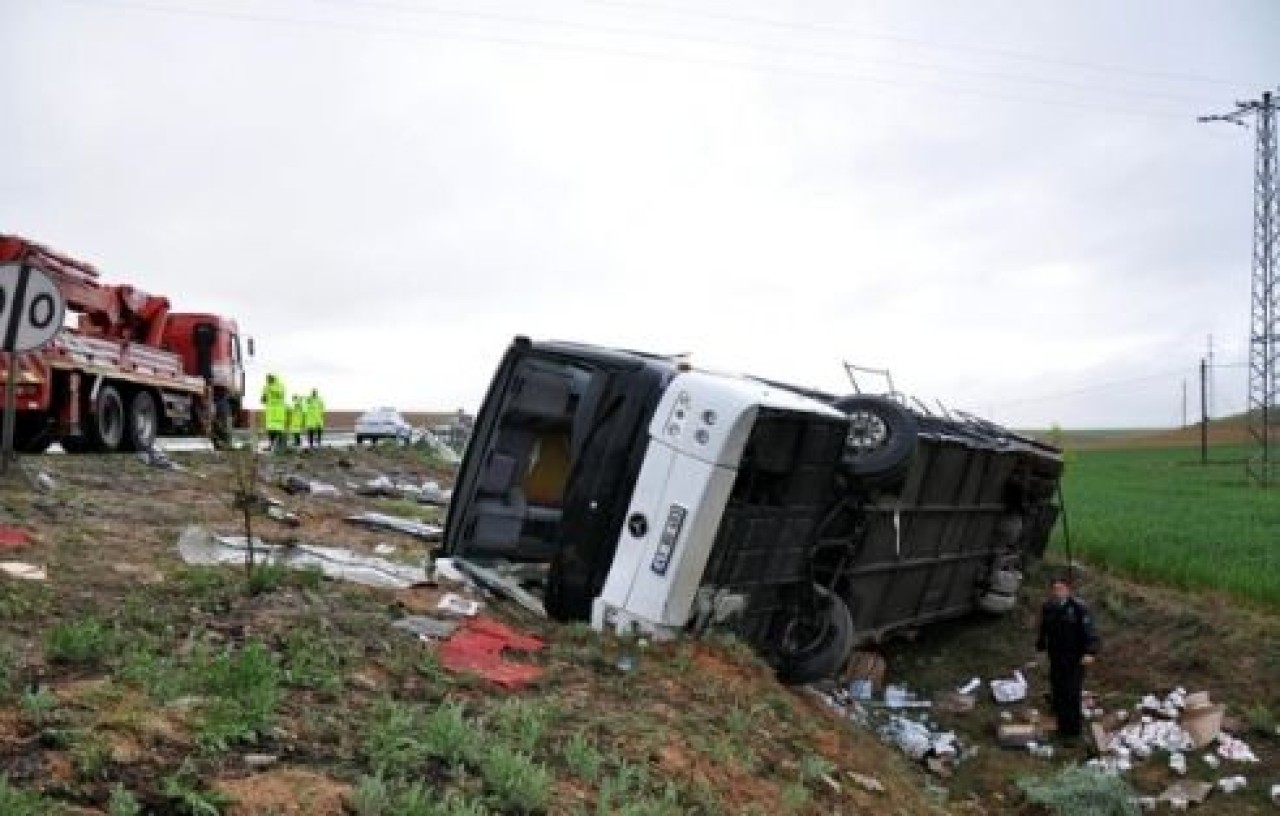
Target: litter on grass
pixel 198 546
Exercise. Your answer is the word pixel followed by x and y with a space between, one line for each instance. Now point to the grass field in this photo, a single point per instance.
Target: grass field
pixel 1158 514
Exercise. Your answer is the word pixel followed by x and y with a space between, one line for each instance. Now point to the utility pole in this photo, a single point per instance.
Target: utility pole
pixel 1184 402
pixel 1264 323
pixel 1204 413
pixel 1212 405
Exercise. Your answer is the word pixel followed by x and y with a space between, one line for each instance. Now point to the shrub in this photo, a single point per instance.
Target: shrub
pixel 82 643
pixel 1077 791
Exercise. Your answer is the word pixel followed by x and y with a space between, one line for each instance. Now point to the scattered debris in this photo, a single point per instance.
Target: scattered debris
pixel 144 573
pixel 325 489
pixel 969 688
pixel 276 512
pixel 916 740
pixel 1202 719
pixel 199 546
pixel 427 628
pixel 1185 792
pixel 366 681
pixel 1009 690
pixel 864 674
pixel 258 762
pixel 1232 784
pixel 915 735
pixel 158 459
pixel 13 538
pixel 1017 735
pixel 445 569
pixel 867 783
pixel 477 648
pixel 383 486
pixel 382 521
pixel 384 549
pixel 23 570
pixel 458 605
pixel 1234 749
pixel 953 702
pixel 431 493
pixel 502 585
pixel 296 485
pixel 45 482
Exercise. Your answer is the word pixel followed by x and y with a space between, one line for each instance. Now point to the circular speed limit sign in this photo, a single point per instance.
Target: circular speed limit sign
pixel 31 308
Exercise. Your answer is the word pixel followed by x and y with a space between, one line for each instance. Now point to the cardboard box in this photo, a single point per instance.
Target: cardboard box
pixel 868 666
pixel 1188 790
pixel 1203 724
pixel 1101 739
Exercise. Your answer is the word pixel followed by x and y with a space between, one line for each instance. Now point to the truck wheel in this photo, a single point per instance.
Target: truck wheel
pixel 106 425
pixel 882 438
pixel 140 430
pixel 816 646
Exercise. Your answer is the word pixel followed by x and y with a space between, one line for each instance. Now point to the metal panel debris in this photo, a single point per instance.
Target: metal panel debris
pixel 199 546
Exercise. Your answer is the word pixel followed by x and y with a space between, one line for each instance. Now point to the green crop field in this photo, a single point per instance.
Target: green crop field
pixel 1158 514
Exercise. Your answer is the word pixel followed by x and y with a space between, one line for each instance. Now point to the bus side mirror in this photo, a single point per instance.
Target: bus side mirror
pixel 250 346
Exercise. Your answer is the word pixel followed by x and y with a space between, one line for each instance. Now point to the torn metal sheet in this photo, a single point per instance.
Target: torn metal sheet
pixel 503 585
pixel 199 546
pixel 382 521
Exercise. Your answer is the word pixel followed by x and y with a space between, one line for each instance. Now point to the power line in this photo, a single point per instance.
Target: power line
pixel 597 28
pixel 888 37
pixel 516 42
pixel 1101 386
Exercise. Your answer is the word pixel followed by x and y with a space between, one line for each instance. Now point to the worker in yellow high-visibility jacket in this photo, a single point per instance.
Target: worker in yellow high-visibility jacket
pixel 275 411
pixel 315 419
pixel 297 420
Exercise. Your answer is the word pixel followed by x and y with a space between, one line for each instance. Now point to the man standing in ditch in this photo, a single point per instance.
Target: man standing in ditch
pixel 1068 634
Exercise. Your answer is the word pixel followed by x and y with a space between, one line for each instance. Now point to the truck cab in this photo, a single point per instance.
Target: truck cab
pixel 642 495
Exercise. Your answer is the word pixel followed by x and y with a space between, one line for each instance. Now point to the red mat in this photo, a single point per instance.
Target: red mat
pixel 477 648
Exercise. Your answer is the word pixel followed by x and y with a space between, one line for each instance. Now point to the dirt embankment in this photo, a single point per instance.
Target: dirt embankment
pixel 128 674
pixel 128 669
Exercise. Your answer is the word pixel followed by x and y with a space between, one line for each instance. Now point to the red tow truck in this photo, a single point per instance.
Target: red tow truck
pixel 129 370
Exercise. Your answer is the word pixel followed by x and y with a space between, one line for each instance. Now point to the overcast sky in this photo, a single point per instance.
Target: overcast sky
pixel 1008 204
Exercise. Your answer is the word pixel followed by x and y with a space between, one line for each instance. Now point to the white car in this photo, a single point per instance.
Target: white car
pixel 383 423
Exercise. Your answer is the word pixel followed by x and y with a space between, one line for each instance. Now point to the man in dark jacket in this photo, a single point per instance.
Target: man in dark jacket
pixel 1068 634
